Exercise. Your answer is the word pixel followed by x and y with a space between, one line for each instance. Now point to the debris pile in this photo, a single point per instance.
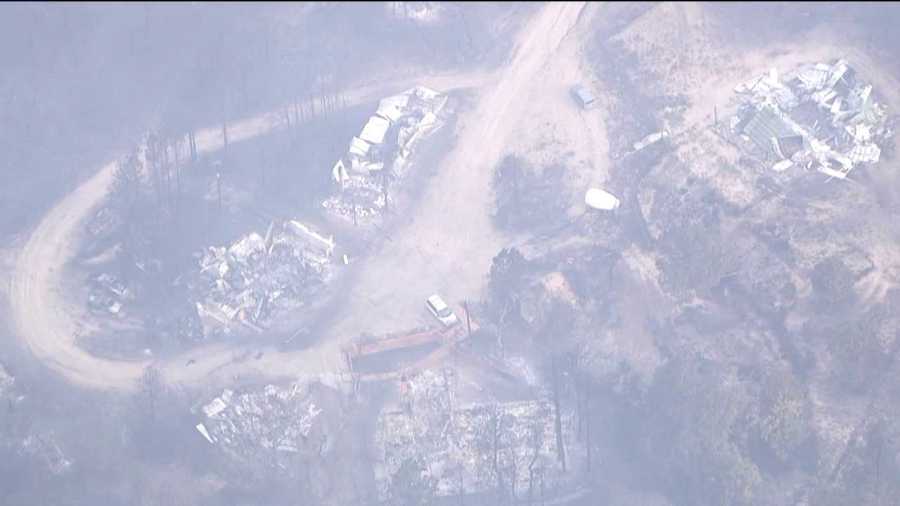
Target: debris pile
pixel 104 222
pixel 257 424
pixel 256 276
pixel 820 116
pixel 45 449
pixel 419 12
pixel 650 140
pixel 382 150
pixel 108 293
pixel 466 447
pixel 6 383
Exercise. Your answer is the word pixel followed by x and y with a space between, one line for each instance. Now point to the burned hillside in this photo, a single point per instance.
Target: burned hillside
pixel 417 253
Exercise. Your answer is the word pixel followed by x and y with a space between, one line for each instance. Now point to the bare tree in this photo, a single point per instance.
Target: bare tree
pixel 127 186
pixel 150 388
pixel 557 418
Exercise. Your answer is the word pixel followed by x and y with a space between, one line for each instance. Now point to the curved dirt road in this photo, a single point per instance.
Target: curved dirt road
pixel 447 246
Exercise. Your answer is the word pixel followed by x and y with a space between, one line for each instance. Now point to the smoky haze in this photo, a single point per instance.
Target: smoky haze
pixel 435 253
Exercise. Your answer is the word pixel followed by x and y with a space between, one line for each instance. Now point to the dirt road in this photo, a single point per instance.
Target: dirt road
pixel 556 132
pixel 446 247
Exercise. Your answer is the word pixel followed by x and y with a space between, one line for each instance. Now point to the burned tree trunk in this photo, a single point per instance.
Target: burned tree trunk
pixel 225 133
pixel 587 421
pixel 495 427
pixel 192 140
pixel 177 201
pixel 560 447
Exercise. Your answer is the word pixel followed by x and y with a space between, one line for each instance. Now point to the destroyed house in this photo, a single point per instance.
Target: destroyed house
pixel 257 423
pixel 465 446
pixel 819 115
pixel 255 276
pixel 385 143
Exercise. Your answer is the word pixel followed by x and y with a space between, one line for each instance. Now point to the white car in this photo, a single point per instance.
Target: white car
pixel 441 310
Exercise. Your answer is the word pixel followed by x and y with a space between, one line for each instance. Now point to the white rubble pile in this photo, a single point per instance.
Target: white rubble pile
pixel 256 276
pixel 108 293
pixel 424 13
pixel 381 151
pixel 819 116
pixel 42 447
pixel 6 381
pixel 257 423
pixel 8 392
pixel 458 442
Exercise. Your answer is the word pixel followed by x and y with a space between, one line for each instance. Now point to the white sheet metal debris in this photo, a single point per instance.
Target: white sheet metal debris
pixel 218 404
pixel 782 166
pixel 650 139
pixel 359 148
pixel 375 130
pixel 393 108
pixel 828 171
pixel 205 433
pixel 339 173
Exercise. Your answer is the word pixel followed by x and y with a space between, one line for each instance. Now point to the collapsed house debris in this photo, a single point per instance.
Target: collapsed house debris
pixel 254 277
pixel 465 447
pixel 382 151
pixel 255 424
pixel 819 116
